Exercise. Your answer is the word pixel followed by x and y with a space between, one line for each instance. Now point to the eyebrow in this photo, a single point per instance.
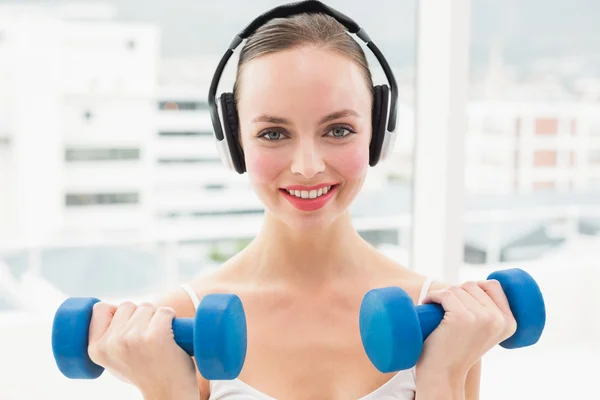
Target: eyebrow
pixel 330 117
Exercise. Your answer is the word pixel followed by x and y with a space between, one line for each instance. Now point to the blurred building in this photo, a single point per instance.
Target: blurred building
pixel 98 137
pixel 526 147
pixel 77 98
pixel 190 182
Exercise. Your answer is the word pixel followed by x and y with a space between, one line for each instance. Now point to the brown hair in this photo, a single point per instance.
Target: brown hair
pixel 301 30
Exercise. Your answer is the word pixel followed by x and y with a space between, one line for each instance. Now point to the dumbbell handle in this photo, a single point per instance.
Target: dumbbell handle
pixel 430 316
pixel 183 330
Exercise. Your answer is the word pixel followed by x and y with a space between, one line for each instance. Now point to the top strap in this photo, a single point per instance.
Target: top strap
pixel 192 294
pixel 425 290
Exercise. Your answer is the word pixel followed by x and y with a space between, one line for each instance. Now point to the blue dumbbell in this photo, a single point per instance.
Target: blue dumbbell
pixel 393 329
pixel 216 337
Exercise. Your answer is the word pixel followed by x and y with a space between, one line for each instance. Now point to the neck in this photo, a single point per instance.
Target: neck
pixel 307 258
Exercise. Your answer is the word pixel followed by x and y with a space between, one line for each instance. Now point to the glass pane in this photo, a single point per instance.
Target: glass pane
pixel 532 175
pixel 111 185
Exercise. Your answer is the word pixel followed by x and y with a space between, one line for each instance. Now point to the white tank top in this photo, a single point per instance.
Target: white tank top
pixel 402 386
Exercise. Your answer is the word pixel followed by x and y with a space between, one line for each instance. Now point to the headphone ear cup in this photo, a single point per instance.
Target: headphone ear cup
pixel 378 124
pixel 388 137
pixel 231 132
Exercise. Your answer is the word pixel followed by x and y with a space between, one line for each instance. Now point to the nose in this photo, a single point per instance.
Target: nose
pixel 307 160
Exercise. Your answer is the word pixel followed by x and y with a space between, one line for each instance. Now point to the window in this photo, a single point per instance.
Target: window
pixel 88 199
pixel 87 115
pixel 183 105
pixel 546 126
pixel 188 160
pixel 102 154
pixel 185 133
pixel 214 186
pixel 209 213
pixel 544 158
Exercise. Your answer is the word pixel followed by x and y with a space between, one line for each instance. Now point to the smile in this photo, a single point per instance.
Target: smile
pixel 309 200
pixel 309 194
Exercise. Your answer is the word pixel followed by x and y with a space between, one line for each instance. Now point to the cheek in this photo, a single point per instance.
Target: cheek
pixel 262 167
pixel 352 162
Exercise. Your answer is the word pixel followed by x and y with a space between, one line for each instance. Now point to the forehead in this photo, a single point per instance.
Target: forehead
pixel 306 78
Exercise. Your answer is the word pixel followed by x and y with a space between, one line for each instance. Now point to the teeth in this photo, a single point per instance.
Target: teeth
pixel 309 194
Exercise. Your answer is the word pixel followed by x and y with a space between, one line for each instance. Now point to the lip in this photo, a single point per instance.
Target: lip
pixel 309 204
pixel 316 187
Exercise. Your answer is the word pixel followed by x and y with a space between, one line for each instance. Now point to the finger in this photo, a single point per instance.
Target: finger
pixel 162 321
pixel 140 319
pixel 102 315
pixel 478 294
pixel 446 299
pixel 122 316
pixel 465 298
pixel 494 290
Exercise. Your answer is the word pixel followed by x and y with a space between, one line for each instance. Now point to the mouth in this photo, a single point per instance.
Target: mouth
pixel 310 194
pixel 309 200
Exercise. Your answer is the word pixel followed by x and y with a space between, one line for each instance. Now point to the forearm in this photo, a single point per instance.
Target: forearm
pixel 173 395
pixel 439 385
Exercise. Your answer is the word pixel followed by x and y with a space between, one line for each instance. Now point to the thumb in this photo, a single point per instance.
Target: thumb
pixel 445 298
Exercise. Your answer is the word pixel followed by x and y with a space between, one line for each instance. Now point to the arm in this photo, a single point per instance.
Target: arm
pixel 432 385
pixel 435 385
pixel 184 308
pixel 473 382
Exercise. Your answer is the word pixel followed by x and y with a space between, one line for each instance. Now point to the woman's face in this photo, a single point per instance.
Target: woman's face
pixel 305 126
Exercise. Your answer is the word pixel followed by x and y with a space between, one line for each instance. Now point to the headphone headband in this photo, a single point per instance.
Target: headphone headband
pixel 300 7
pixel 286 11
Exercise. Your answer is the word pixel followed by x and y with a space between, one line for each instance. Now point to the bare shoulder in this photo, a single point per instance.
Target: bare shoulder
pixel 396 274
pixel 209 281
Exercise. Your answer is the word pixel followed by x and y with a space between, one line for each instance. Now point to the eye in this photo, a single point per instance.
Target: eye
pixel 340 131
pixel 272 135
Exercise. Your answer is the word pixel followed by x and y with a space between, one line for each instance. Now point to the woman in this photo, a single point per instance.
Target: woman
pixel 304 98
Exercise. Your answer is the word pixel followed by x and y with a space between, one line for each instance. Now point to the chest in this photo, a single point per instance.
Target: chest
pixel 308 351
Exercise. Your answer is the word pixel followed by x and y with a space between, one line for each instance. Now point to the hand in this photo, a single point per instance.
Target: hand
pixel 136 343
pixel 477 317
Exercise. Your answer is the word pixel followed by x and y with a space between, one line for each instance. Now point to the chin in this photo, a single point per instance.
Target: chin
pixel 309 221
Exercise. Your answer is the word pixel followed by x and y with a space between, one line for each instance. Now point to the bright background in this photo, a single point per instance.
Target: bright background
pixel 110 185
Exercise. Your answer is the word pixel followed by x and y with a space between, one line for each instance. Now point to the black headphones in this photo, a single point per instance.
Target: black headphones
pixel 223 112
